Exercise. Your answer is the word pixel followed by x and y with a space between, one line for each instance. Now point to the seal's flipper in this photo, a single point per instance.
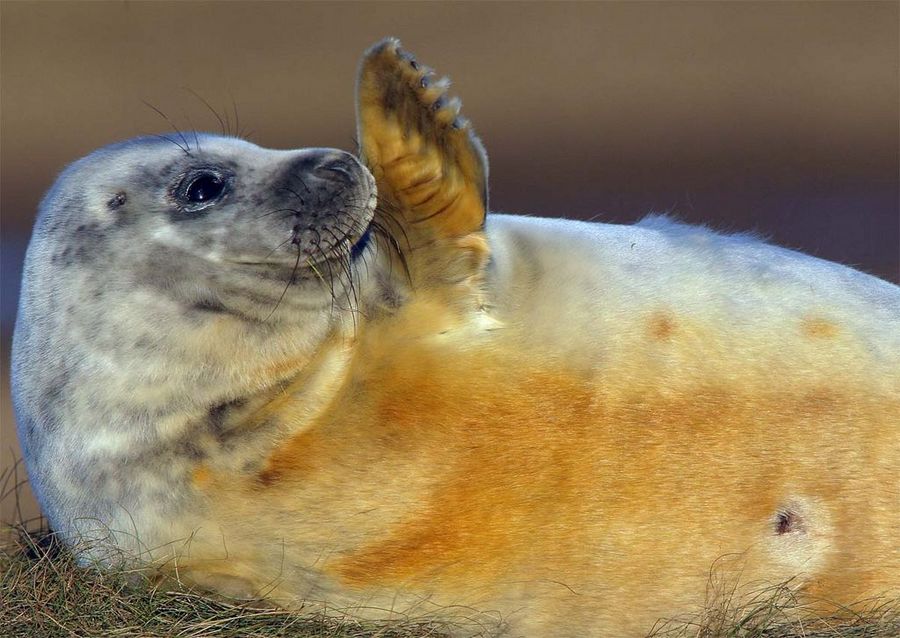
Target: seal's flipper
pixel 426 159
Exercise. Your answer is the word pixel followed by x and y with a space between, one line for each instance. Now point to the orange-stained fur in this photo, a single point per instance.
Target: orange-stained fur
pixel 514 471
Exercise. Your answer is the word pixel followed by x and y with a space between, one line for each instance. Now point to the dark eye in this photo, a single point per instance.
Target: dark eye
pixel 204 188
pixel 201 188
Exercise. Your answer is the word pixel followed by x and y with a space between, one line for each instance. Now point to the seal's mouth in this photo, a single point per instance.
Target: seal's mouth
pixel 357 249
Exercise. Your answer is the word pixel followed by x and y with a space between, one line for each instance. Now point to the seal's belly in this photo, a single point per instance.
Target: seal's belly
pixel 484 474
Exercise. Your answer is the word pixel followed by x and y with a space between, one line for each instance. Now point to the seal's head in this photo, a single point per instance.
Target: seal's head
pixel 164 276
pixel 210 223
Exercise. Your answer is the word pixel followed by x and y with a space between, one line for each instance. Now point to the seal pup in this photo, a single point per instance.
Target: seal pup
pixel 229 362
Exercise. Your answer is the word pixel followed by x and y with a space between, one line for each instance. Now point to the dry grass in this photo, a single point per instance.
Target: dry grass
pixel 776 612
pixel 44 593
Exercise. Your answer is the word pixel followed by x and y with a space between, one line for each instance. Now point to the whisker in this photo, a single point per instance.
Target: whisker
pixel 330 280
pixel 286 286
pixel 354 288
pixel 171 141
pixel 393 245
pixel 278 210
pixel 187 147
pixel 294 193
pixel 208 106
pixel 237 119
pixel 286 241
pixel 382 212
pixel 227 121
pixel 312 266
pixel 349 284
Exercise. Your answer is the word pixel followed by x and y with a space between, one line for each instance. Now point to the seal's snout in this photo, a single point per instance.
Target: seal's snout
pixel 326 199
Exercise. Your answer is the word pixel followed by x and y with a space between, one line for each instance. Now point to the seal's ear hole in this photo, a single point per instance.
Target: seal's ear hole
pixel 117 201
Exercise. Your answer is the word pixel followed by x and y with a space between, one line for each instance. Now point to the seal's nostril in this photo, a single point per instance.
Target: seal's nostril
pixel 338 169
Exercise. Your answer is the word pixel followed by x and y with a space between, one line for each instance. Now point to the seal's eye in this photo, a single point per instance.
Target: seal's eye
pixel 201 188
pixel 204 188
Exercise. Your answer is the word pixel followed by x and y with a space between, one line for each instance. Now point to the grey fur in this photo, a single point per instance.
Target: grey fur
pixel 122 279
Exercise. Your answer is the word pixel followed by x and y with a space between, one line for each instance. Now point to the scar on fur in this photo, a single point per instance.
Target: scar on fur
pixel 788 521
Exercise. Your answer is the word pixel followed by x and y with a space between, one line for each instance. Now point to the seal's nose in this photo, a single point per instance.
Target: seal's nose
pixel 327 164
pixel 315 177
pixel 343 169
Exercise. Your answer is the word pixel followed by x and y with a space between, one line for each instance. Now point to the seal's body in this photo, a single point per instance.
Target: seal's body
pixel 229 362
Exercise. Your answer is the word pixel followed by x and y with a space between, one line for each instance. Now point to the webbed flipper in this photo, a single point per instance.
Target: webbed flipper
pixel 427 161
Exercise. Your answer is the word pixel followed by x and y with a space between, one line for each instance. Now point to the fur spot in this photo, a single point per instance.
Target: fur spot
pixel 63 258
pixel 201 476
pixel 818 328
pixel 268 477
pixel 661 326
pixel 208 305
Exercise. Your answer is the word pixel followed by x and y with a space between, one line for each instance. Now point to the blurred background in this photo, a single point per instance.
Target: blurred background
pixel 779 118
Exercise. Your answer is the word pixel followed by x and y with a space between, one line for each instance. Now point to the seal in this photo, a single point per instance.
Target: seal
pixel 340 384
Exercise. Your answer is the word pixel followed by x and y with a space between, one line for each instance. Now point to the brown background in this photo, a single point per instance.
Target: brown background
pixel 780 118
